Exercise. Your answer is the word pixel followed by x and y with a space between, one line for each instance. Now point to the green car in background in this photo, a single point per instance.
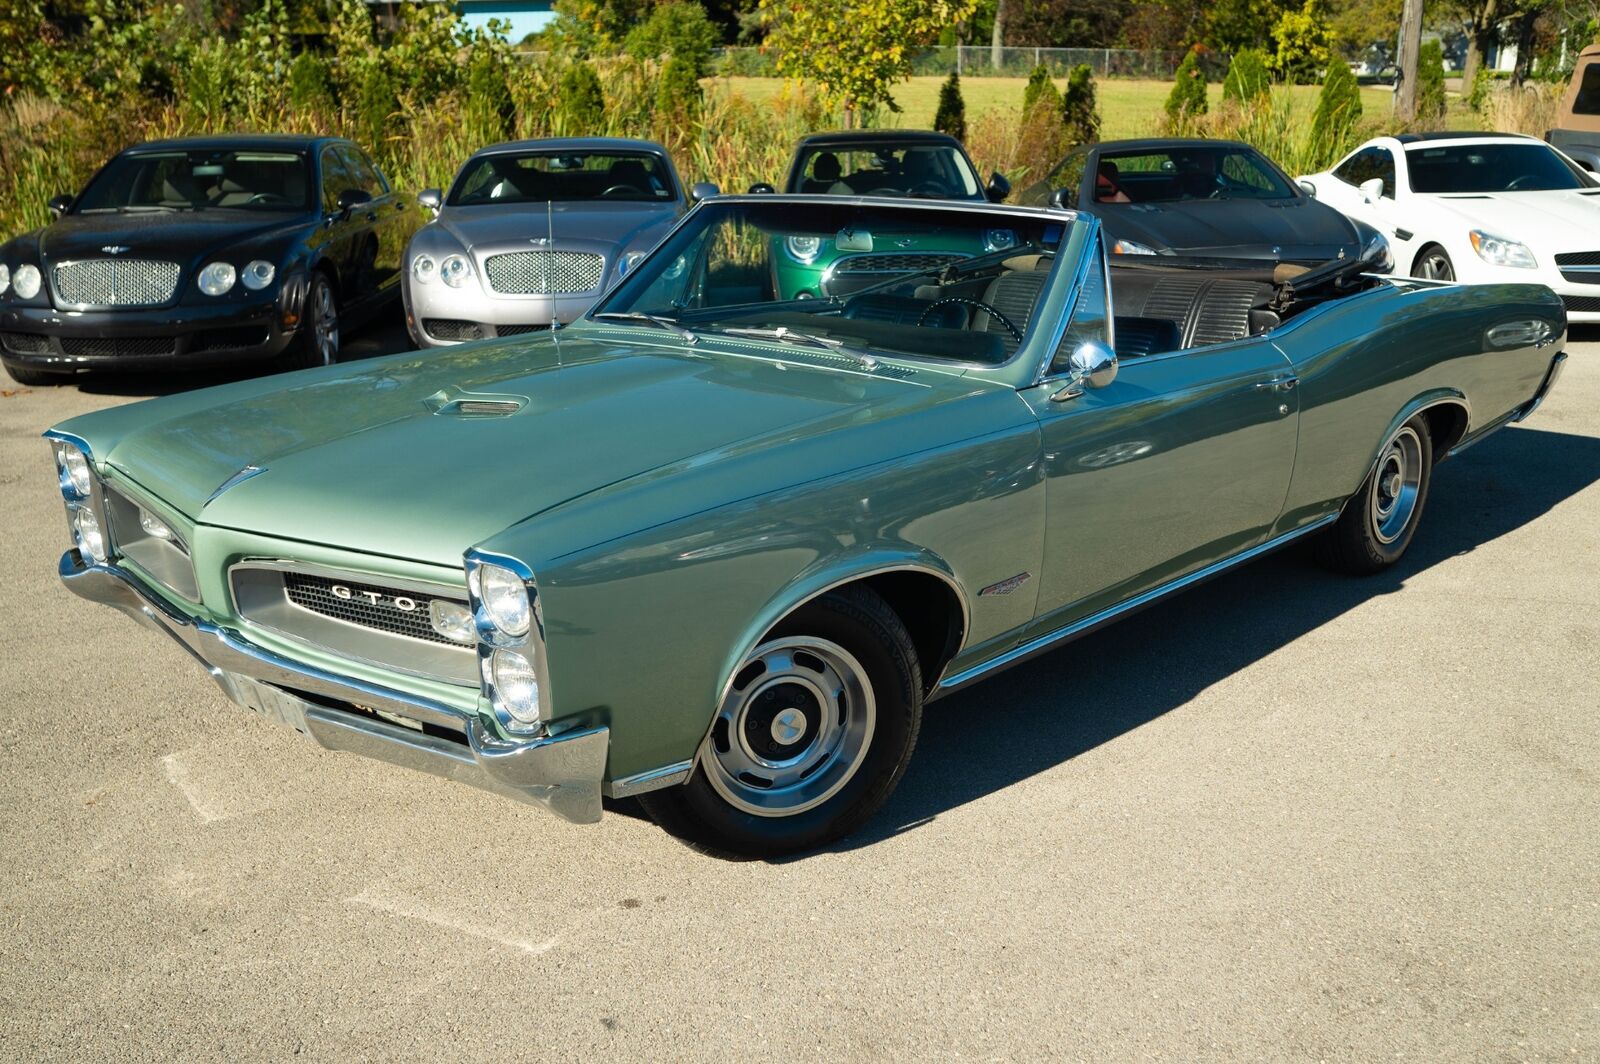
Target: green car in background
pixel 717 548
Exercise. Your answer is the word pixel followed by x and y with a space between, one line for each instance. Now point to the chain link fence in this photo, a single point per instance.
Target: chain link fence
pixel 982 61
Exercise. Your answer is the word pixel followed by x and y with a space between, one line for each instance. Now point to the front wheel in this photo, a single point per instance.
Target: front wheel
pixel 814 733
pixel 318 342
pixel 1434 264
pixel 1379 520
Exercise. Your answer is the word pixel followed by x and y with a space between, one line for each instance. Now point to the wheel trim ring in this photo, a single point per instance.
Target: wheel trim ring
pixel 832 759
pixel 1392 511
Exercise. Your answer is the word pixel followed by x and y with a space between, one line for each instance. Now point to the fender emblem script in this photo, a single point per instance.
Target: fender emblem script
pixel 1006 586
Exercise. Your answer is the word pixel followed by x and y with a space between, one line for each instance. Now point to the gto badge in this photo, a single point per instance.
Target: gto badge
pixel 400 602
pixel 1006 586
pixel 115 249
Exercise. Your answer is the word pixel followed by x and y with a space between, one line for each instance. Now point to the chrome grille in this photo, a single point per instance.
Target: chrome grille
pixel 895 262
pixel 116 282
pixel 544 272
pixel 367 605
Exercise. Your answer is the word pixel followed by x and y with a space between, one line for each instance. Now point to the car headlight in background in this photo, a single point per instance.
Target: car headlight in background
pixel 505 600
pixel 1499 251
pixel 26 280
pixel 803 248
pixel 999 239
pixel 1131 247
pixel 216 278
pixel 455 271
pixel 5 278
pixel 258 275
pixel 626 264
pixel 424 269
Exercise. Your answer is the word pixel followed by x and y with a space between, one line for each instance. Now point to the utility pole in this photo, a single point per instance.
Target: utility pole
pixel 1405 98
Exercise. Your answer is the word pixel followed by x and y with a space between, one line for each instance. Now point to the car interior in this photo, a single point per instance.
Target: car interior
pixel 537 178
pixel 887 171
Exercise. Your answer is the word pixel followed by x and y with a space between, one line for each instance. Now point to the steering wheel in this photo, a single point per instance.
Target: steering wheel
pixel 886 190
pixel 267 197
pixel 1016 334
pixel 622 189
pixel 1516 183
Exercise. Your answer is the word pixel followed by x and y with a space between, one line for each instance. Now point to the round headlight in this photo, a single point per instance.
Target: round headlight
pixel 75 469
pixel 258 275
pixel 217 278
pixel 999 239
pixel 455 271
pixel 628 262
pixel 5 278
pixel 505 599
pixel 89 538
pixel 803 248
pixel 516 686
pixel 26 280
pixel 424 269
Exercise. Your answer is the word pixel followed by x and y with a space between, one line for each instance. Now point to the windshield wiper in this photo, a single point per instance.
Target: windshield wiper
pixel 134 208
pixel 784 334
pixel 685 334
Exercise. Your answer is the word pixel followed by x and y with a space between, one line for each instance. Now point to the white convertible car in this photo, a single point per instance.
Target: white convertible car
pixel 1476 207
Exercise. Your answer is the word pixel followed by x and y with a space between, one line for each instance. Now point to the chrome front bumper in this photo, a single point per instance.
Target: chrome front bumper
pixel 563 772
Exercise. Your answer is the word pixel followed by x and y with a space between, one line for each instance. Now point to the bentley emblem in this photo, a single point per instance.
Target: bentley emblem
pixel 539 241
pixel 400 602
pixel 115 249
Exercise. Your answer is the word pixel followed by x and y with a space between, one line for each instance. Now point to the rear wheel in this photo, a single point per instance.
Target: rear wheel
pixel 1433 263
pixel 1379 520
pixel 318 342
pixel 813 735
pixel 27 375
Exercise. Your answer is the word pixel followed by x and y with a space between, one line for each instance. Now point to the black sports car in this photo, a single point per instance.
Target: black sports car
pixel 1214 199
pixel 204 250
pixel 887 162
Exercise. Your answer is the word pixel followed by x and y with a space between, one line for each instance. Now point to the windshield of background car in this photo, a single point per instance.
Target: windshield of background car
pixel 200 180
pixel 932 171
pixel 564 177
pixel 1491 168
pixel 951 285
pixel 1198 172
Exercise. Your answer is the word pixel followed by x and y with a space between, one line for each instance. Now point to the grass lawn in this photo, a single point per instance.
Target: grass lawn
pixel 1128 108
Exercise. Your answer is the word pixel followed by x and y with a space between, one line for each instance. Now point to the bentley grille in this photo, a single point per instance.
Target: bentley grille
pixel 367 605
pixel 524 273
pixel 116 282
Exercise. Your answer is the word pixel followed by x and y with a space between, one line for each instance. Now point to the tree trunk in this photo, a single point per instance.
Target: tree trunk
pixel 1405 99
pixel 1525 28
pixel 998 41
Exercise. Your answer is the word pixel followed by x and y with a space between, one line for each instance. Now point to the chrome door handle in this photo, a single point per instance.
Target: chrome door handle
pixel 1277 384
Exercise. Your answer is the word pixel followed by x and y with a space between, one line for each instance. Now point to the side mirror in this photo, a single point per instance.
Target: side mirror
pixel 1093 365
pixel 1308 188
pixel 1061 199
pixel 703 190
pixel 999 188
pixel 60 205
pixel 1372 191
pixel 350 199
pixel 761 187
pixel 431 198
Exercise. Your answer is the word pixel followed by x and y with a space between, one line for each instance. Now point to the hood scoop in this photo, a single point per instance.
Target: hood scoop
pixel 453 402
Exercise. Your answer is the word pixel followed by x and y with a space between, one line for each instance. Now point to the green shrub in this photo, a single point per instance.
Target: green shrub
pixel 1040 87
pixel 680 29
pixel 951 117
pixel 1338 107
pixel 310 87
pixel 1430 83
pixel 491 114
pixel 1188 96
pixel 1080 113
pixel 1482 86
pixel 377 108
pixel 679 99
pixel 1248 78
pixel 208 84
pixel 1301 43
pixel 580 102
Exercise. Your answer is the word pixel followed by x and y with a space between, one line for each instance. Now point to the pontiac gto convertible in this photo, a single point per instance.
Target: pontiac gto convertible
pixel 718 549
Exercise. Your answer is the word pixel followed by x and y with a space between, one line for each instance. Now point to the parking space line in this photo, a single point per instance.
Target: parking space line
pixel 411 909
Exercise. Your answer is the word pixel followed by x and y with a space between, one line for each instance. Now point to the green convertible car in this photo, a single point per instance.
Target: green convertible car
pixel 718 549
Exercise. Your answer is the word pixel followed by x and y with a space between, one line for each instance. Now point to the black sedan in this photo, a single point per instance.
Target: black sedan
pixel 1212 199
pixel 204 251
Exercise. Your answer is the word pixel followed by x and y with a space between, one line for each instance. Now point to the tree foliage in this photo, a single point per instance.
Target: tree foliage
pixel 680 29
pixel 1430 83
pixel 1248 78
pixel 1065 23
pixel 951 117
pixel 490 112
pixel 679 99
pixel 855 51
pixel 1338 106
pixel 1188 96
pixel 1300 42
pixel 1040 87
pixel 580 100
pixel 1080 112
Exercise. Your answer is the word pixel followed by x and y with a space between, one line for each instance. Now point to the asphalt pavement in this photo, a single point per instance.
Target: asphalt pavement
pixel 1286 816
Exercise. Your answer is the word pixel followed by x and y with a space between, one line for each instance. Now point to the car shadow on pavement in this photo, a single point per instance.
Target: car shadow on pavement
pixel 1048 711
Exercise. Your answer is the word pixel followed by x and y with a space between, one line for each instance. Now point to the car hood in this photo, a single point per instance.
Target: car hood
pixel 182 237
pixel 364 457
pixel 1559 220
pixel 622 224
pixel 1301 229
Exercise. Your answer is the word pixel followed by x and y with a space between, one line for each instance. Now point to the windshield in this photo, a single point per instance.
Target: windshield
pixel 1186 173
pixel 930 171
pixel 954 285
pixel 1491 168
pixel 563 177
pixel 198 181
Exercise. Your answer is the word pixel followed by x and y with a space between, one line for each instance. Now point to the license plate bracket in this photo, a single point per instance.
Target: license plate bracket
pixel 276 705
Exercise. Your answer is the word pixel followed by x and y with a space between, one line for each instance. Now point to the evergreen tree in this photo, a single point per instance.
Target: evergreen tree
pixel 678 95
pixel 310 87
pixel 1188 96
pixel 1079 109
pixel 1430 84
pixel 1247 78
pixel 1338 107
pixel 1040 87
pixel 952 114
pixel 581 101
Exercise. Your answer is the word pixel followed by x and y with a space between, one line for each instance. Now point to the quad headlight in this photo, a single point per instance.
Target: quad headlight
pixel 1499 251
pixel 516 686
pixel 424 269
pixel 91 540
pixel 26 280
pixel 75 475
pixel 455 270
pixel 510 642
pixel 999 239
pixel 217 278
pixel 258 274
pixel 5 278
pixel 75 471
pixel 505 600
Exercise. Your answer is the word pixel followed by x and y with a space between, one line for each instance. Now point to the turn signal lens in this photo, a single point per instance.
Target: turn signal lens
pixel 505 599
pixel 75 470
pixel 153 525
pixel 516 687
pixel 217 278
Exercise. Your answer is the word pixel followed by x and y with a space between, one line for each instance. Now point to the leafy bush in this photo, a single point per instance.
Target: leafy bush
pixel 951 117
pixel 580 101
pixel 1040 87
pixel 491 114
pixel 1301 45
pixel 377 108
pixel 1248 78
pixel 1079 110
pixel 679 98
pixel 679 29
pixel 1338 107
pixel 310 86
pixel 1430 83
pixel 1482 85
pixel 1188 97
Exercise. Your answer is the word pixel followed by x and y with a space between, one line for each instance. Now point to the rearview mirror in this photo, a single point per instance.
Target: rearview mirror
pixel 999 188
pixel 60 205
pixel 1061 199
pixel 1372 190
pixel 351 198
pixel 761 187
pixel 703 190
pixel 1308 188
pixel 431 198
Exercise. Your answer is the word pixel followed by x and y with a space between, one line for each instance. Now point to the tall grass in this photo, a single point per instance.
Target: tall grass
pixel 1529 108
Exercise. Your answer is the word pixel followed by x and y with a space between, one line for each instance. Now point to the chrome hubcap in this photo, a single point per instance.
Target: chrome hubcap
pixel 794 728
pixel 325 323
pixel 1395 486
